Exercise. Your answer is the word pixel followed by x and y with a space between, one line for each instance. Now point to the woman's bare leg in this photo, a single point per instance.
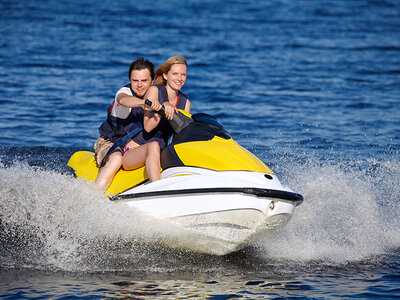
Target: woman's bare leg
pixel 153 161
pixel 148 155
pixel 108 171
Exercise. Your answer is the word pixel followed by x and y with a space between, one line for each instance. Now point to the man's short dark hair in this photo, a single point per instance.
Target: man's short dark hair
pixel 140 64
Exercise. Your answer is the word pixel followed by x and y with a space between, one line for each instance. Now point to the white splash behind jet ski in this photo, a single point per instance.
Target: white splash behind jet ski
pixel 210 186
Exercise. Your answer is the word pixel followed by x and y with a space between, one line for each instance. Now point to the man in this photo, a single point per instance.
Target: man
pixel 124 115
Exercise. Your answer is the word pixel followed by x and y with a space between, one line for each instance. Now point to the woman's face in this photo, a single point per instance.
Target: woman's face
pixel 176 76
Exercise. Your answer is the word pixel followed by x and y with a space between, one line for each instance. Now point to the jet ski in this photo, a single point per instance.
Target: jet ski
pixel 210 187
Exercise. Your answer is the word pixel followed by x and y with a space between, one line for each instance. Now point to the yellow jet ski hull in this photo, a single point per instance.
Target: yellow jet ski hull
pixel 84 165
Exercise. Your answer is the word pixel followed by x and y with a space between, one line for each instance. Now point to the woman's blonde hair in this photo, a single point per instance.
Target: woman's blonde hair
pixel 164 68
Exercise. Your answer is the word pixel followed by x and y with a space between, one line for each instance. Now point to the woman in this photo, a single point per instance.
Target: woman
pixel 170 78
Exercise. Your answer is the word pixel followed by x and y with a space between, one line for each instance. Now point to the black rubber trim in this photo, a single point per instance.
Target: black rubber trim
pixel 267 193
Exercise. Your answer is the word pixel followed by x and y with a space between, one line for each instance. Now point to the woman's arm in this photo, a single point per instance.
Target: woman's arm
pixel 188 106
pixel 151 118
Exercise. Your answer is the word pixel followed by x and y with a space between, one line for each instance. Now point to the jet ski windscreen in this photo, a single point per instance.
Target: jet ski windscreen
pixel 207 119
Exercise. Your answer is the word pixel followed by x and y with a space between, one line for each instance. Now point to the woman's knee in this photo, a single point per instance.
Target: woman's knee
pixel 154 148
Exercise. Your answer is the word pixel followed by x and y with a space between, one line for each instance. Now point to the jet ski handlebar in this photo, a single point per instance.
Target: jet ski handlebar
pixel 178 122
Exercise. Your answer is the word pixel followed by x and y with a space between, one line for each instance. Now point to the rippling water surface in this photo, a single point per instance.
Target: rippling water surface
pixel 310 87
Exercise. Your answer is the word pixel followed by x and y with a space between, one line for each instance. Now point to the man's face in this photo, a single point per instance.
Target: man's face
pixel 140 81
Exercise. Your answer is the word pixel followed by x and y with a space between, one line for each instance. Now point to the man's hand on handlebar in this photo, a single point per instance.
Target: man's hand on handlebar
pixel 155 105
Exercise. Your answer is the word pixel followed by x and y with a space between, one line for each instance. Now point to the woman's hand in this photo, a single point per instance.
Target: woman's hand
pixel 169 110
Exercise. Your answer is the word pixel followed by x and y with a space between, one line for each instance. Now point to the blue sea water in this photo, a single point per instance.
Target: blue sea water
pixel 311 87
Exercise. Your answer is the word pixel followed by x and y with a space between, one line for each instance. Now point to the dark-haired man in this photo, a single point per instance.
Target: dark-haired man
pixel 124 115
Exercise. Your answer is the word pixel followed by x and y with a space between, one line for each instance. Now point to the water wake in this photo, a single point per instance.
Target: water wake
pixel 53 221
pixel 350 213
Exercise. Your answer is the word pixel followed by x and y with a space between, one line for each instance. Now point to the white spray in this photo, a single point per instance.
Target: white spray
pixel 350 213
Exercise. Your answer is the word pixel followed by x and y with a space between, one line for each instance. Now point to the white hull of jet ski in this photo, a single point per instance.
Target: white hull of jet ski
pixel 226 210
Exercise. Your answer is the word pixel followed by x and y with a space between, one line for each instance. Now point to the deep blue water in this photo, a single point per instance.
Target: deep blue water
pixel 310 87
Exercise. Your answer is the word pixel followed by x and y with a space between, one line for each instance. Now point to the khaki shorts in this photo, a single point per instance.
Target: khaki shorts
pixel 101 147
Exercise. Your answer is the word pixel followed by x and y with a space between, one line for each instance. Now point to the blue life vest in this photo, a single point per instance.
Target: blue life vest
pixel 163 130
pixel 114 128
pixel 163 97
